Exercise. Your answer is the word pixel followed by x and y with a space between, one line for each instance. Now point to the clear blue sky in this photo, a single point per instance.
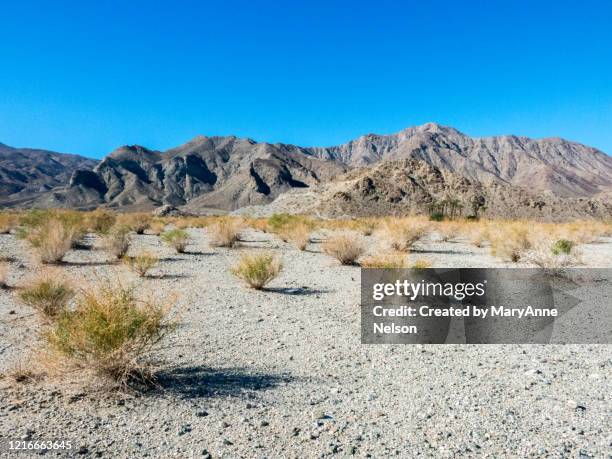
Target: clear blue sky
pixel 86 77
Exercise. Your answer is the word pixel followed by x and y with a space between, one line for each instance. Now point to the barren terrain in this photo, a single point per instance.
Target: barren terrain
pixel 282 373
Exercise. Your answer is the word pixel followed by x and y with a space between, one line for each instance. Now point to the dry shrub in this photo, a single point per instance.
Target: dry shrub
pixel 142 263
pixel 511 241
pixel 225 232
pixel 8 222
pixel 137 222
pixel 552 255
pixel 110 333
pixel 259 224
pixel 156 227
pixel 299 235
pixel 478 236
pixel 3 277
pixel 421 264
pixel 48 295
pixel 367 226
pixel 100 221
pixel 176 238
pixel 393 260
pixel 257 269
pixel 117 241
pixel 402 234
pixel 52 240
pixel 21 373
pixel 346 247
pixel 448 231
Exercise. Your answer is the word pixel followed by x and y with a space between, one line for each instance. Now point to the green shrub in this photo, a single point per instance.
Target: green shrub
pixel 257 270
pixel 48 296
pixel 176 238
pixel 562 246
pixel 436 216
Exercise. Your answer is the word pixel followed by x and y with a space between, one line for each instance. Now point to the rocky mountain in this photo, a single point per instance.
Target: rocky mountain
pixel 413 186
pixel 207 172
pixel 228 172
pixel 26 173
pixel 550 165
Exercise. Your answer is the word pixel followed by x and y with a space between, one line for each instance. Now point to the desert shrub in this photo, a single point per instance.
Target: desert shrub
pixel 257 269
pixel 101 221
pixel 367 226
pixel 8 222
pixel 176 238
pixel 394 260
pixel 279 221
pixel 436 216
pixel 52 240
pixel 346 247
pixel 225 232
pixel 511 241
pixel 448 231
pixel 142 263
pixel 402 235
pixel 3 277
pixel 478 236
pixel 110 332
pixel 421 264
pixel 562 246
pixel 299 235
pixel 552 256
pixel 48 295
pixel 157 227
pixel 117 241
pixel 137 222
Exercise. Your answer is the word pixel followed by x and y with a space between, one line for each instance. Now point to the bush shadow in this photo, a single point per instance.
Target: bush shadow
pixel 297 291
pixel 203 382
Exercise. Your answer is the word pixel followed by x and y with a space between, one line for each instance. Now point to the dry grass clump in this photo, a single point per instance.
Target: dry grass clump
pixel 511 241
pixel 225 232
pixel 421 264
pixel 299 235
pixel 176 238
pixel 3 277
pixel 402 234
pixel 257 269
pixel 478 236
pixel 137 222
pixel 156 227
pixel 52 240
pixel 110 333
pixel 101 221
pixel 448 231
pixel 8 222
pixel 553 255
pixel 367 226
pixel 117 241
pixel 393 260
pixel 346 247
pixel 142 263
pixel 48 295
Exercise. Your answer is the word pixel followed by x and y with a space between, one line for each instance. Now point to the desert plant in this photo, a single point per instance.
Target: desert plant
pixel 299 235
pixel 8 222
pixel 117 241
pixel 138 222
pixel 101 221
pixel 157 227
pixel 48 295
pixel 3 277
pixel 562 246
pixel 257 269
pixel 345 246
pixel 436 216
pixel 176 238
pixel 421 264
pixel 393 260
pixel 511 241
pixel 547 254
pixel 448 231
pixel 52 240
pixel 402 235
pixel 110 332
pixel 142 263
pixel 225 232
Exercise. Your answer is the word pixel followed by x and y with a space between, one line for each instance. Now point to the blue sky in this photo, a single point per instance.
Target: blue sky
pixel 86 77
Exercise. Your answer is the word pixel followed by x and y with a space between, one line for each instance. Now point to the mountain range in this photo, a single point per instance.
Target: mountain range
pixel 229 173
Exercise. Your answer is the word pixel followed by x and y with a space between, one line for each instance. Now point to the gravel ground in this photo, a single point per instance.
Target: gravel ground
pixel 282 373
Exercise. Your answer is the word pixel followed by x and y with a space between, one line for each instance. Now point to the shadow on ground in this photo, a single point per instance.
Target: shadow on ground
pixel 297 291
pixel 201 382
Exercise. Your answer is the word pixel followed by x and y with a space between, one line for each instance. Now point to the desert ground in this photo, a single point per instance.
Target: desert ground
pixel 282 373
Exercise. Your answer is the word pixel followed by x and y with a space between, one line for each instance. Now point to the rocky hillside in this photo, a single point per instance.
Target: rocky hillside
pixel 207 172
pixel 26 173
pixel 412 186
pixel 544 165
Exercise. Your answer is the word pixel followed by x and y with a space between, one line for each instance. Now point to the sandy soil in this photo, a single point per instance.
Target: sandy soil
pixel 282 373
